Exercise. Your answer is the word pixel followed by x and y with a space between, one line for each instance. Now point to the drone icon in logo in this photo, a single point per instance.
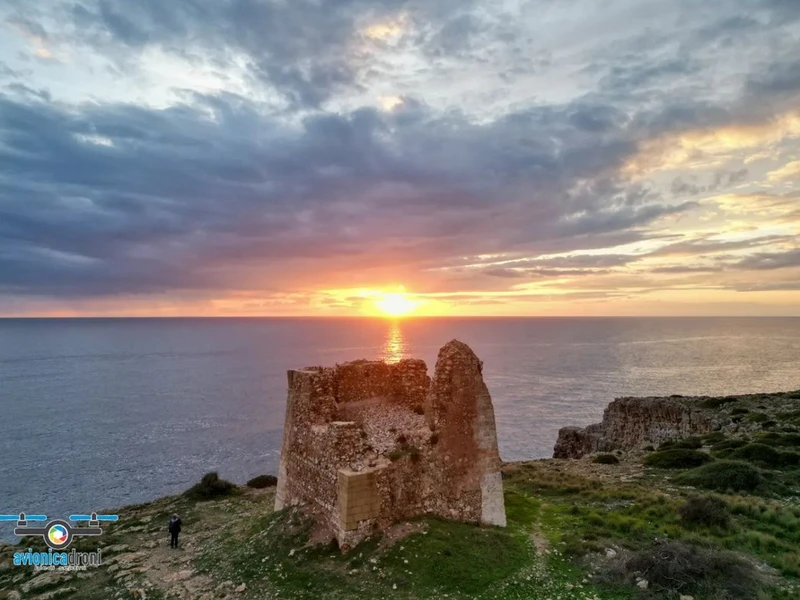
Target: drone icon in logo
pixel 58 533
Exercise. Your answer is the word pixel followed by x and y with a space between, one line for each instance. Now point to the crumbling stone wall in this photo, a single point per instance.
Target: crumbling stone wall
pixel 368 443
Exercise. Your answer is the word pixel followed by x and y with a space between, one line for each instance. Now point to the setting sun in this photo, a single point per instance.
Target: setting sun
pixel 396 304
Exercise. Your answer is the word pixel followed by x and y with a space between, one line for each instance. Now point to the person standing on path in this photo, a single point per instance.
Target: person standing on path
pixel 174 530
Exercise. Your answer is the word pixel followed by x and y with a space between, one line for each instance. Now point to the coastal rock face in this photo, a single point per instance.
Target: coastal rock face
pixel 631 423
pixel 368 443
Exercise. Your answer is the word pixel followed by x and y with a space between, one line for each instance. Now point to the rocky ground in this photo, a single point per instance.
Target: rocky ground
pixel 138 561
pixel 608 526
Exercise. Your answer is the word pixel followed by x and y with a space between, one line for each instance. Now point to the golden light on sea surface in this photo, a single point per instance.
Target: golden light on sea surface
pixel 396 304
pixel 394 348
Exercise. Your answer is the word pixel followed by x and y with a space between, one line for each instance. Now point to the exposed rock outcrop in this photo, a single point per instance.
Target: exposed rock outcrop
pixel 367 443
pixel 630 423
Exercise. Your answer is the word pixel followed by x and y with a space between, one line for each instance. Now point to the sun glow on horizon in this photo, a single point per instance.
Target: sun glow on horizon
pixel 396 304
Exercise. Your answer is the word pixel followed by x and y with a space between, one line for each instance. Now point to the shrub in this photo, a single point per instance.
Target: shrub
pixel 415 454
pixel 606 459
pixel 723 449
pixel 790 459
pixel 434 439
pixel 396 455
pixel 707 511
pixel 717 402
pixel 263 481
pixel 790 417
pixel 419 409
pixel 758 417
pixel 211 486
pixel 715 437
pixel 692 443
pixel 770 439
pixel 678 568
pixel 739 410
pixel 677 458
pixel 786 439
pixel 760 454
pixel 402 440
pixel 648 448
pixel 723 475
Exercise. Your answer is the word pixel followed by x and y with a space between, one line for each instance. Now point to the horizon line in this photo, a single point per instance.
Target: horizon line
pixel 386 318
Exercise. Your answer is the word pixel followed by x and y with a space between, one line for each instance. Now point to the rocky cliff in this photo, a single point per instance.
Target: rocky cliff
pixel 630 423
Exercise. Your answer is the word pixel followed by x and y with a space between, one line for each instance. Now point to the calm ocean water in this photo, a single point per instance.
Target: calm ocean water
pixel 102 412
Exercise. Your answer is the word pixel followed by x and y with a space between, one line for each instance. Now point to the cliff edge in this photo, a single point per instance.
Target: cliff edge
pixel 633 423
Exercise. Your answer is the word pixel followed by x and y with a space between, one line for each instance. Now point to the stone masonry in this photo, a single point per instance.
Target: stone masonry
pixel 367 443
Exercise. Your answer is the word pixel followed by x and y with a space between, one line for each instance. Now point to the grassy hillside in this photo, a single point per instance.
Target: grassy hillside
pixel 664 523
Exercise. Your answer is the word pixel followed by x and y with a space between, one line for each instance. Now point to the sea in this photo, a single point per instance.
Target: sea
pixel 98 413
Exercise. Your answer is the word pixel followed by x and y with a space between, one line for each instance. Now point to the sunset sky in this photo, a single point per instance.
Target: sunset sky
pixel 297 157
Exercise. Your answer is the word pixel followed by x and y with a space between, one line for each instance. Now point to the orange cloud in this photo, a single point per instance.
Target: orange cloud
pixel 712 148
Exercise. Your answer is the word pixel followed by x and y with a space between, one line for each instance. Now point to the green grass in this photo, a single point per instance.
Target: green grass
pixel 563 517
pixel 455 558
pixel 586 517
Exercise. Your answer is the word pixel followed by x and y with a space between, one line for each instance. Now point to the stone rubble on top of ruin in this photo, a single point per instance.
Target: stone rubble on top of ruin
pixel 367 444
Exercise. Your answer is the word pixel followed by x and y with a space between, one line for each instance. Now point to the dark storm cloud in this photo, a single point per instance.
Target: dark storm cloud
pixel 104 198
pixel 116 197
pixel 778 79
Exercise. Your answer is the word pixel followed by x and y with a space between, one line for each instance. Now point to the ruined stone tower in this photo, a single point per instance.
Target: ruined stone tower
pixel 367 443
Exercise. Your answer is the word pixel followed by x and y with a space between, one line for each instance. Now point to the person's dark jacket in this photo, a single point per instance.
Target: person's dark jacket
pixel 174 525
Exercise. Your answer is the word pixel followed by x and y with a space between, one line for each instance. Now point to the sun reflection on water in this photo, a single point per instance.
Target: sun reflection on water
pixel 394 348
